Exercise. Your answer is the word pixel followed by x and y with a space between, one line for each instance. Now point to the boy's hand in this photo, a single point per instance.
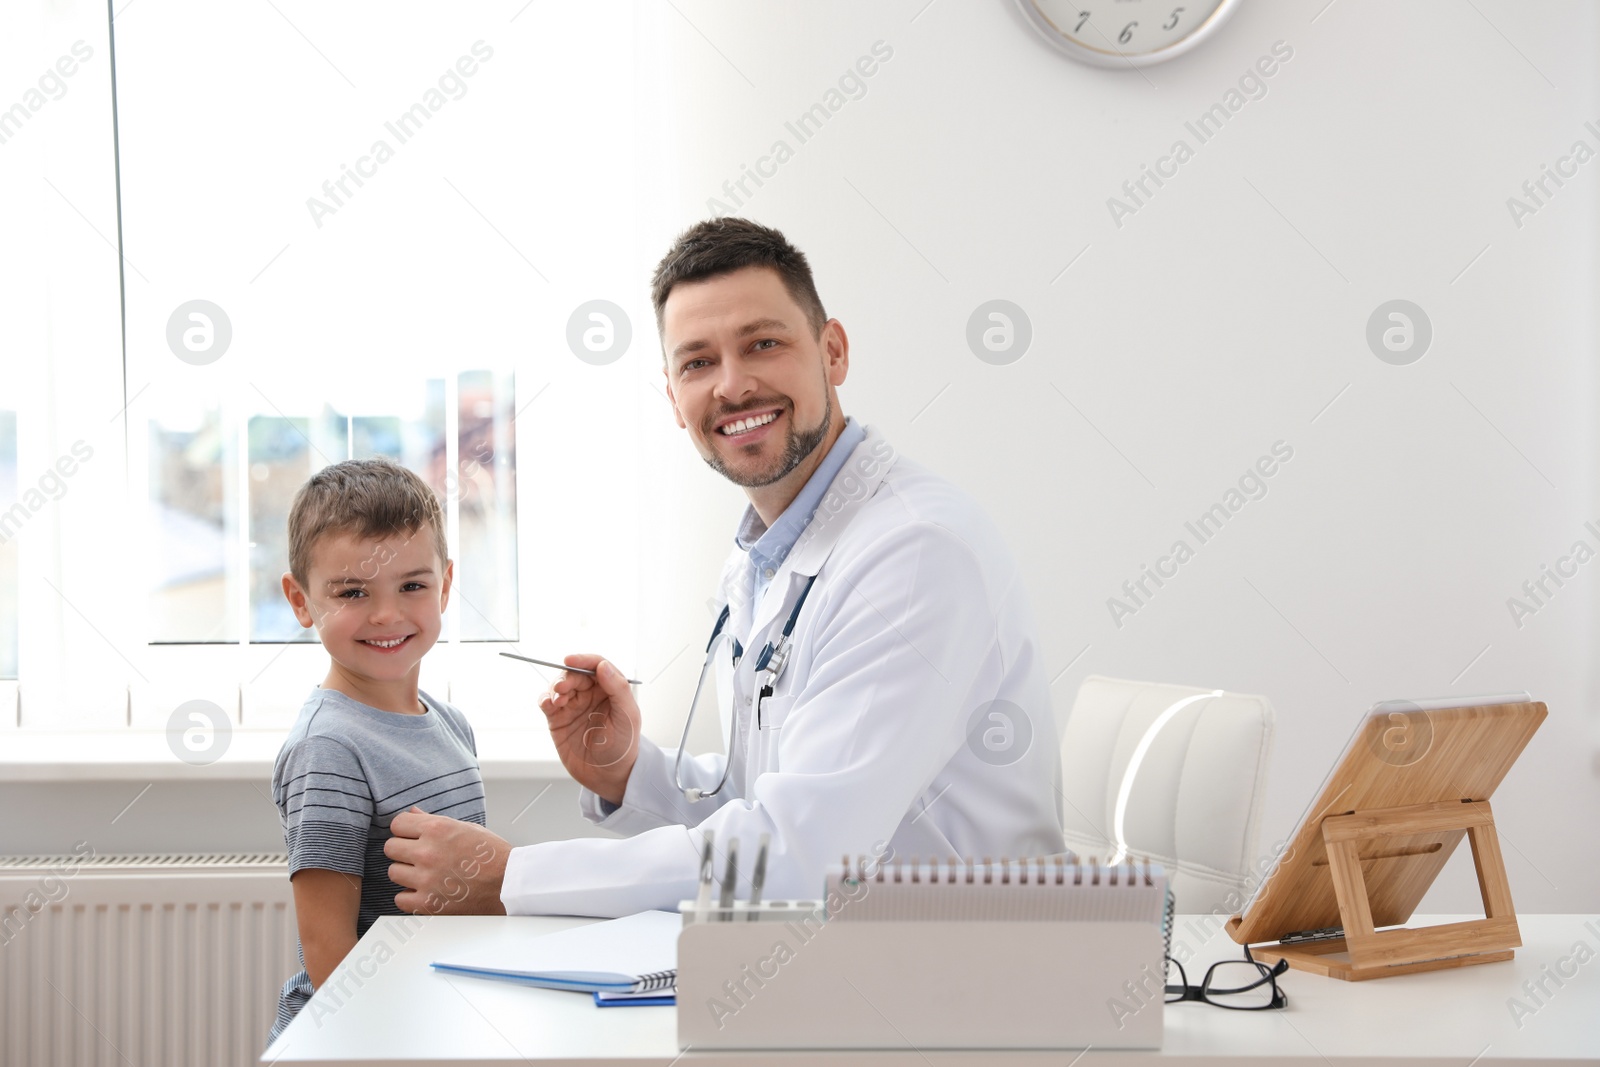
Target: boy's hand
pixel 595 724
pixel 448 867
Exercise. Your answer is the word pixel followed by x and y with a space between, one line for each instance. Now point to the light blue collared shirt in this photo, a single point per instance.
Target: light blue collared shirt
pixel 769 546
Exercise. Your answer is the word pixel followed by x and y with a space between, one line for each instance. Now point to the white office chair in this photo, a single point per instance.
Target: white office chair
pixel 1172 773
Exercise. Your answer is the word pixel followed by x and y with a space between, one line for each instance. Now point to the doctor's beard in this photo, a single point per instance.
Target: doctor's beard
pixel 799 445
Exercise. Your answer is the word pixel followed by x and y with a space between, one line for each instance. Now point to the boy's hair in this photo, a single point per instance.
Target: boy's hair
pixel 721 246
pixel 366 497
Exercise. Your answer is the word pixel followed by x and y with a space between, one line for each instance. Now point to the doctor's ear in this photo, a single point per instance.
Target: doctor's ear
pixel 836 351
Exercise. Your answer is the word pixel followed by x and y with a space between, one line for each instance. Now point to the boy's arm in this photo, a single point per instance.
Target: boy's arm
pixel 325 906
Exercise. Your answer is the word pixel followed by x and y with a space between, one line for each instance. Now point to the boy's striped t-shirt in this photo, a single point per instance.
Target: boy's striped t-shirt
pixel 344 772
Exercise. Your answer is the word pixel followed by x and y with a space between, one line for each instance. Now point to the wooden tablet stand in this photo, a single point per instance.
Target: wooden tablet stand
pixel 1414 780
pixel 1379 953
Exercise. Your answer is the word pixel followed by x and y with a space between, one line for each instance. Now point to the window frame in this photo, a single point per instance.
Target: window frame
pixel 85 663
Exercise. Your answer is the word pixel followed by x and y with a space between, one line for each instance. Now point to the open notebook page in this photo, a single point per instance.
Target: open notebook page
pixel 636 952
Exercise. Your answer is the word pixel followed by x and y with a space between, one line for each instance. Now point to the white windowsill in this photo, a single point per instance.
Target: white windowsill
pixel 143 756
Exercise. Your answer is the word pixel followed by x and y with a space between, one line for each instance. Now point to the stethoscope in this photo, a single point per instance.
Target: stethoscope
pixel 770 663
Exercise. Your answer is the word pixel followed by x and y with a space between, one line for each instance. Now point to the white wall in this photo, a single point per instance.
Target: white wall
pixel 1223 316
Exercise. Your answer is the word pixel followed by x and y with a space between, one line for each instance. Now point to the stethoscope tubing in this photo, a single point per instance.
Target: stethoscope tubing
pixel 773 659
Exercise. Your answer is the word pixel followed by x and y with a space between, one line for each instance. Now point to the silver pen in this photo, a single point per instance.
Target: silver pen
pixel 702 904
pixel 730 882
pixel 560 666
pixel 759 877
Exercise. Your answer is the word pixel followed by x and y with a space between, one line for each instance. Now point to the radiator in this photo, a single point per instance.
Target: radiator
pixel 148 961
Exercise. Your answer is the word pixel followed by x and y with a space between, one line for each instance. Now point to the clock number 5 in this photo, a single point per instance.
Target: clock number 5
pixel 1127 33
pixel 1083 16
pixel 1173 21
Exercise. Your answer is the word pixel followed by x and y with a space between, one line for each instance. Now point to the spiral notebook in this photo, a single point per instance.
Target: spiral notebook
pixel 634 954
pixel 1038 889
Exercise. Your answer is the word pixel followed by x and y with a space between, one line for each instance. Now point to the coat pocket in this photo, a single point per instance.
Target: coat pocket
pixel 774 712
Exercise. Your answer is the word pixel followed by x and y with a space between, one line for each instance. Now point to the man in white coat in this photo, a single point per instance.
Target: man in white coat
pixel 911 712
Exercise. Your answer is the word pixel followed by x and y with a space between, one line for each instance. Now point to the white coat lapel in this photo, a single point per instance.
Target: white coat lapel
pixel 735 590
pixel 852 487
pixel 855 483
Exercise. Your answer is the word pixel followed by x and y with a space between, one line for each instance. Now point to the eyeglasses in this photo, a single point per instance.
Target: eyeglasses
pixel 1242 985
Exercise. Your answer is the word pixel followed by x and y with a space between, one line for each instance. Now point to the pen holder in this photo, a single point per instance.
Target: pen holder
pixel 768 911
pixel 795 979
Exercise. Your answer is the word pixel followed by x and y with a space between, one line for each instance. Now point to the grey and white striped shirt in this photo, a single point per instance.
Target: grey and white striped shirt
pixel 344 772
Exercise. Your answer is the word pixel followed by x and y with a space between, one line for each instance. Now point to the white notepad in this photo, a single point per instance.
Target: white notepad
pixel 634 954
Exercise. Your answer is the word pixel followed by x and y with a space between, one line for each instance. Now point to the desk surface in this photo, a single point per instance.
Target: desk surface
pixel 386 1005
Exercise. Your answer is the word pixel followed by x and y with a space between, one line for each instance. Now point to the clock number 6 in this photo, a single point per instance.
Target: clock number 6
pixel 1127 33
pixel 1169 24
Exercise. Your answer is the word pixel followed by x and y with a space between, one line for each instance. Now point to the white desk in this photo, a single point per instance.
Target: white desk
pixel 385 1005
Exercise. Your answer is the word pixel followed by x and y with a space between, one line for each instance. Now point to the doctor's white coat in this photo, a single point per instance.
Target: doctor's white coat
pixel 913 713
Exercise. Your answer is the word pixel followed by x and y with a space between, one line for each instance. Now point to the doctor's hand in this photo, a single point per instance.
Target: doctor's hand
pixel 595 724
pixel 448 867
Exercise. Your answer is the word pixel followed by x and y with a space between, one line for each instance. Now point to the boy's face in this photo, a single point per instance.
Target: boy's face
pixel 376 602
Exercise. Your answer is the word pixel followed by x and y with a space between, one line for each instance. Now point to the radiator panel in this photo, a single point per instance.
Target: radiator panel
pixel 142 960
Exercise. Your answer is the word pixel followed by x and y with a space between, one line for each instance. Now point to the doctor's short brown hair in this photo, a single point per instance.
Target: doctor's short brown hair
pixel 720 246
pixel 370 498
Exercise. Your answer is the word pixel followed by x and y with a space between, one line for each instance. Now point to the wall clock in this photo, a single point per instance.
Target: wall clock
pixel 1126 33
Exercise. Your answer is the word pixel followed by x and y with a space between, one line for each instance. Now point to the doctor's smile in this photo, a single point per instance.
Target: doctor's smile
pixel 749 425
pixel 743 429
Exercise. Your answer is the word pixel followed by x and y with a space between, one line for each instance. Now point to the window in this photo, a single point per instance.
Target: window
pixel 241 287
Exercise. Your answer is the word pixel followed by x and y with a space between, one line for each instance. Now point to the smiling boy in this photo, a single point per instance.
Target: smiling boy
pixel 368 568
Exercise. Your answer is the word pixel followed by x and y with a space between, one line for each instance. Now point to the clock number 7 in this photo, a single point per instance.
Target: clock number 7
pixel 1083 16
pixel 1127 33
pixel 1172 21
